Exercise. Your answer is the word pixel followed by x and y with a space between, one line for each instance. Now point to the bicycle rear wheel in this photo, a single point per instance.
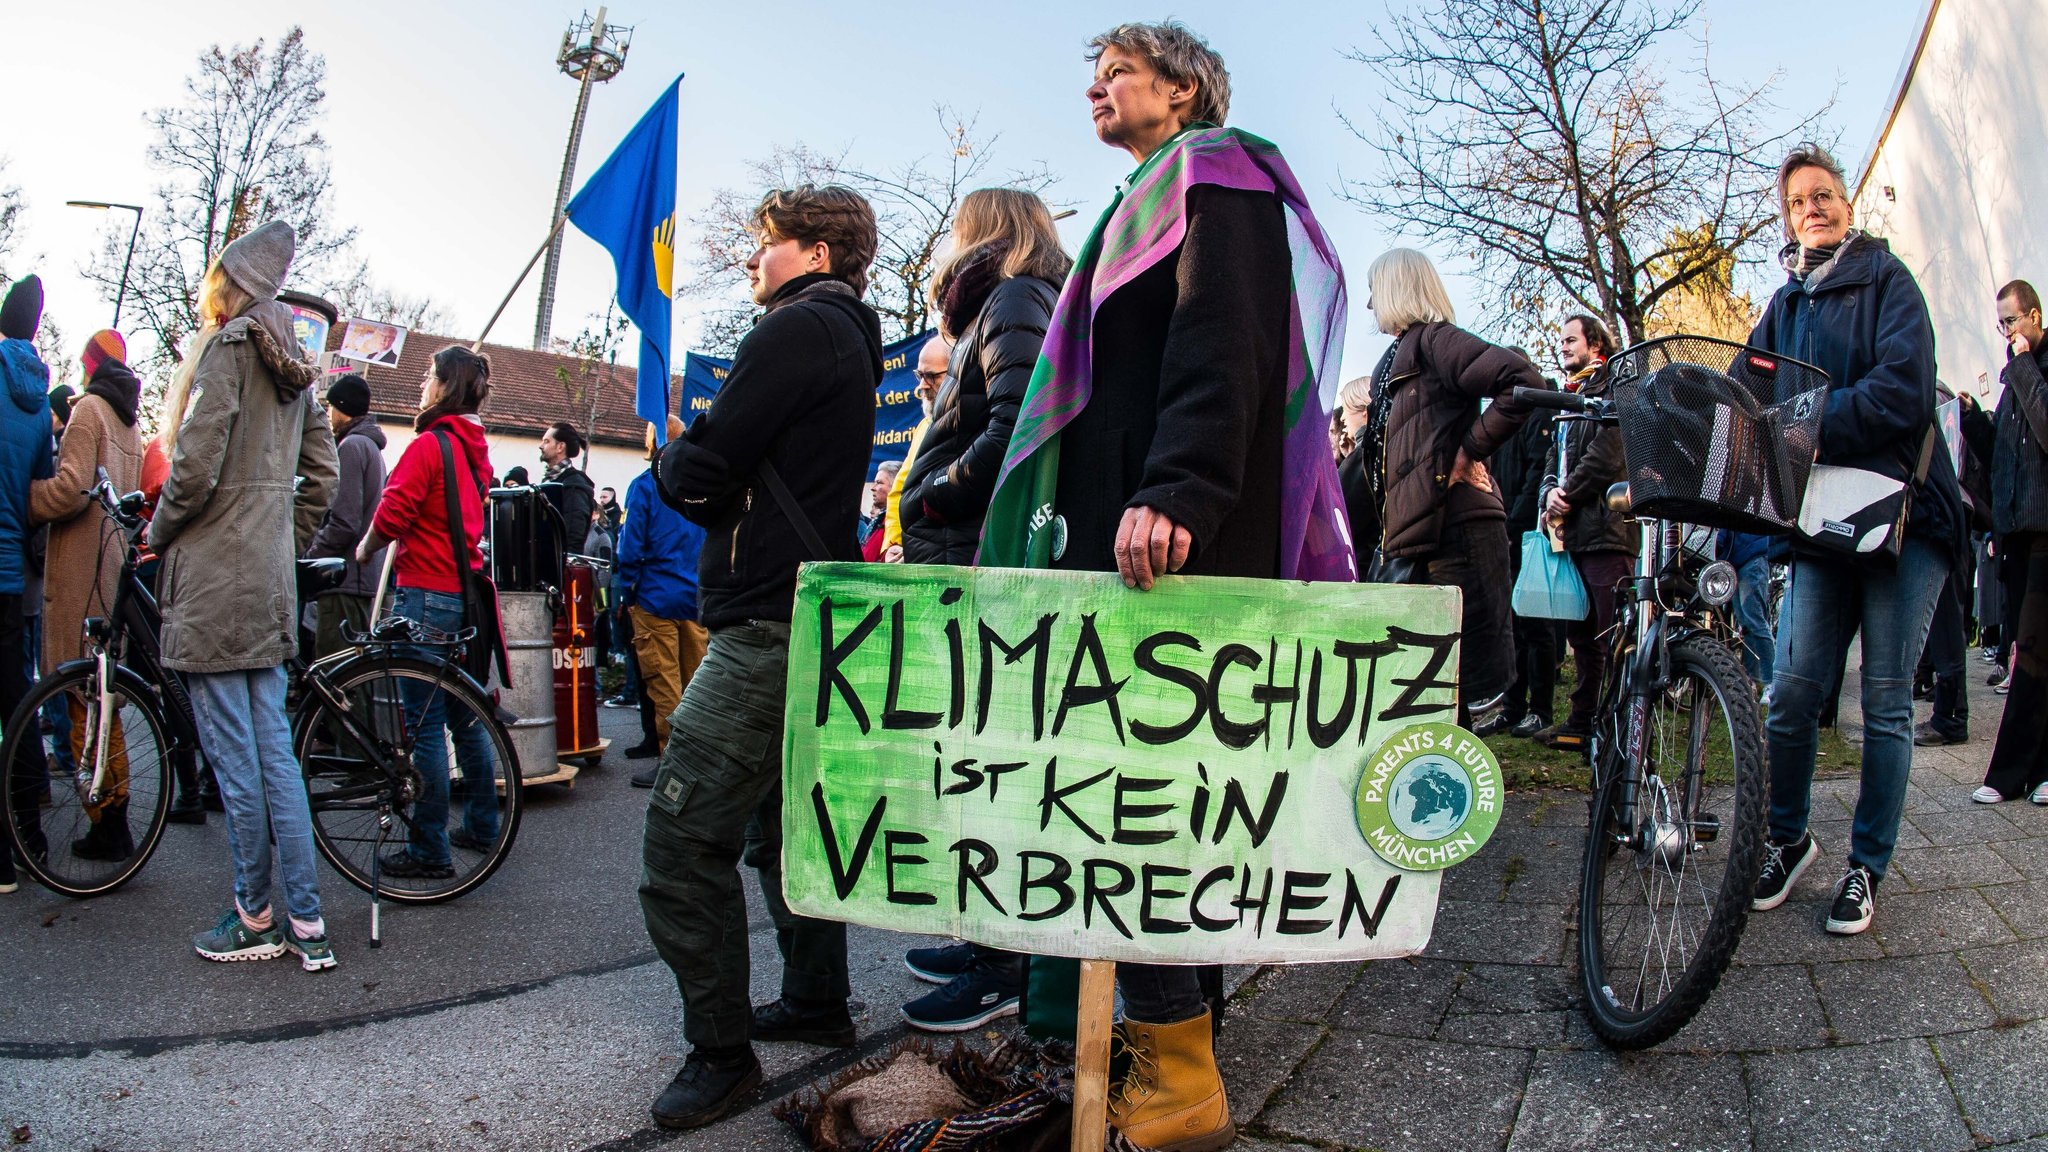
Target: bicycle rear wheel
pixel 1673 852
pixel 67 843
pixel 369 769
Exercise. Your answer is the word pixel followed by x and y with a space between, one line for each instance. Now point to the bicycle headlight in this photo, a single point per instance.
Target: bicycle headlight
pixel 1717 583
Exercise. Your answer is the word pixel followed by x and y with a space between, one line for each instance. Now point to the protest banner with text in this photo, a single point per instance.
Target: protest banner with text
pixel 1218 770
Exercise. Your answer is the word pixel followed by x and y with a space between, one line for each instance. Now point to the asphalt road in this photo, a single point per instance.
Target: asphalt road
pixel 530 1013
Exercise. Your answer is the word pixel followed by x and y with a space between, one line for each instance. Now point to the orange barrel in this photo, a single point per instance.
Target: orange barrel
pixel 575 661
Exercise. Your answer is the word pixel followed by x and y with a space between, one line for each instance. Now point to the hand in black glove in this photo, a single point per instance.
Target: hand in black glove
pixel 690 476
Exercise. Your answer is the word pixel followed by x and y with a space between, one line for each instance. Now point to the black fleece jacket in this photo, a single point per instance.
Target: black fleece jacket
pixel 801 394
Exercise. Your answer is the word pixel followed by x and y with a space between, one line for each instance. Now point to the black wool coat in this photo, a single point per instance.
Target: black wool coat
pixel 1190 384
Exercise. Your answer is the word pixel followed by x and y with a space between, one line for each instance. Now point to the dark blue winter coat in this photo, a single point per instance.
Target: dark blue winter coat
pixel 1866 325
pixel 24 452
pixel 2019 460
pixel 657 553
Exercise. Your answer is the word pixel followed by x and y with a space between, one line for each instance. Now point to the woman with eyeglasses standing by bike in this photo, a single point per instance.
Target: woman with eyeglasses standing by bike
pixel 414 515
pixel 84 559
pixel 241 430
pixel 1852 309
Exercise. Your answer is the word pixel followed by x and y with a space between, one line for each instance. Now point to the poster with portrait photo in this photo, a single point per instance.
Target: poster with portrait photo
pixel 372 342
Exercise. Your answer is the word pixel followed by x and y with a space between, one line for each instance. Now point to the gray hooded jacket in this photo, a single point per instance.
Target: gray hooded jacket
pixel 231 521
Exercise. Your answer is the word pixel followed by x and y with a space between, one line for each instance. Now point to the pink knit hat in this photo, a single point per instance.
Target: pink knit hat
pixel 106 344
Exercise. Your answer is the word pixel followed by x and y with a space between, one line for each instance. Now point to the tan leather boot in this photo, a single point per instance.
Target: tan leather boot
pixel 1171 1100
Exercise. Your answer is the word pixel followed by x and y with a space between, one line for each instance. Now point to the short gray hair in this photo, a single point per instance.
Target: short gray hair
pixel 1179 55
pixel 1807 155
pixel 1403 290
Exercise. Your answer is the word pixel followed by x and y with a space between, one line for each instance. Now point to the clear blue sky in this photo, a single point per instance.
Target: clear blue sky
pixel 447 120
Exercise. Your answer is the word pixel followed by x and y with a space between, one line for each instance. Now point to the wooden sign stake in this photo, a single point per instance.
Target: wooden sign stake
pixel 1091 1053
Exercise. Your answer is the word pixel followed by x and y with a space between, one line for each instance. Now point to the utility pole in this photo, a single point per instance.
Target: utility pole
pixel 591 53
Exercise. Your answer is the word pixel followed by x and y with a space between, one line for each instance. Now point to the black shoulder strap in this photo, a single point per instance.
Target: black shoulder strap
pixel 456 532
pixel 793 510
pixel 1926 454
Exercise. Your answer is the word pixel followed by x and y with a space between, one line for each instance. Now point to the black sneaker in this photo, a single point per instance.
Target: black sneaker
pixel 706 1090
pixel 645 777
pixel 1926 735
pixel 827 1027
pixel 968 1001
pixel 406 866
pixel 1528 726
pixel 644 750
pixel 1855 902
pixel 939 965
pixel 1782 865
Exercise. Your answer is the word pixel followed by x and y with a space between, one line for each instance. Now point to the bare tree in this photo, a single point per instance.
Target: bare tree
pixel 243 147
pixel 914 204
pixel 596 350
pixel 1547 141
pixel 11 206
pixel 359 295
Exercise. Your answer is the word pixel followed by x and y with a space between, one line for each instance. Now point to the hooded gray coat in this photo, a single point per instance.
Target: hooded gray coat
pixel 229 522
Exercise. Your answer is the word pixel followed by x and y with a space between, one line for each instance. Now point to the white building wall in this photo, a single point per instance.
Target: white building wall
pixel 1959 181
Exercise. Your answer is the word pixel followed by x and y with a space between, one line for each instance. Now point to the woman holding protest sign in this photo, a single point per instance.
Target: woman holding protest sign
pixel 995 295
pixel 1426 441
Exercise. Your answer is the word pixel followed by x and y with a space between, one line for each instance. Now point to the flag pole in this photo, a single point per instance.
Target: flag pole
pixel 560 219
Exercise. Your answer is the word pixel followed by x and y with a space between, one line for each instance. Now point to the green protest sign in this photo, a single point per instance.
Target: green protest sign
pixel 1217 770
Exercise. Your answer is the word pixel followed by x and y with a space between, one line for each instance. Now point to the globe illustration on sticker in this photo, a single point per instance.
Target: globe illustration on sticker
pixel 1429 798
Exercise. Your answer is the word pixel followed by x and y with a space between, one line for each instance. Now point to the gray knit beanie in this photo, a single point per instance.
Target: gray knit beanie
pixel 258 260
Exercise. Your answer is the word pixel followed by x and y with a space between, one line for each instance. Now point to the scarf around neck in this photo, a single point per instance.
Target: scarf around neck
pixel 1143 226
pixel 1812 265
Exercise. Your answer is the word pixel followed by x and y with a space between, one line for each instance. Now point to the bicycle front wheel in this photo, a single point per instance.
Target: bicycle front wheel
pixel 413 769
pixel 1673 851
pixel 69 840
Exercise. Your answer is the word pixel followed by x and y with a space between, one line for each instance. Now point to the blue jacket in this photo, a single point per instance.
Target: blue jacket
pixel 657 555
pixel 1866 325
pixel 24 453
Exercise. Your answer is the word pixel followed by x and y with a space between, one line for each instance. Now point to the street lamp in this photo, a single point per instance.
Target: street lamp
pixel 121 293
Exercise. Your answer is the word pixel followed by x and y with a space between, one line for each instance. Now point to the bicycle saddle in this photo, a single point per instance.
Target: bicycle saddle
pixel 317 576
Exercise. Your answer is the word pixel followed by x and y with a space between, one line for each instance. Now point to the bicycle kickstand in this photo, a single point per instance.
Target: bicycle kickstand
pixel 377 883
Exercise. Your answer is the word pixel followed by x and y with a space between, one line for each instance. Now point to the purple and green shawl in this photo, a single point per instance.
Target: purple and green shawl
pixel 1144 226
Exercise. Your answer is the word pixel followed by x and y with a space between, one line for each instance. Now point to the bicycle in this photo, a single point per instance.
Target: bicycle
pixel 1675 836
pixel 351 731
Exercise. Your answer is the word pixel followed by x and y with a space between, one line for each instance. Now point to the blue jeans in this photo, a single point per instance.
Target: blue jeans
pixel 426 717
pixel 243 730
pixel 1752 603
pixel 1827 601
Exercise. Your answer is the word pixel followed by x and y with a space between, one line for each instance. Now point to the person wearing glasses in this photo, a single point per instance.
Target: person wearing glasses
pixel 1852 309
pixel 2019 514
pixel 932 361
pixel 359 443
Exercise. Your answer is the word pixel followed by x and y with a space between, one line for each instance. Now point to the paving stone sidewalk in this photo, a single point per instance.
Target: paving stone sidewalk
pixel 1928 1033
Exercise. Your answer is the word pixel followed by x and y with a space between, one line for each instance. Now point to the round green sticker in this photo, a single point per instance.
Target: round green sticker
pixel 1430 797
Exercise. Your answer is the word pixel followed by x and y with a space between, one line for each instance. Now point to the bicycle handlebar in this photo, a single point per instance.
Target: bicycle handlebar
pixel 126 510
pixel 1583 407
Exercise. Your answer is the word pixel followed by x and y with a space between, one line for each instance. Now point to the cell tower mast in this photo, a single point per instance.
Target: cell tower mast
pixel 592 53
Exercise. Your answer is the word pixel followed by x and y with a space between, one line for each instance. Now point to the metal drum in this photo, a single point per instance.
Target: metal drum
pixel 529 626
pixel 575 666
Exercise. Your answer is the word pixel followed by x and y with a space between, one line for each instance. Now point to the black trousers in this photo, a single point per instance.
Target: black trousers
pixel 29 776
pixel 1601 572
pixel 2019 760
pixel 1536 656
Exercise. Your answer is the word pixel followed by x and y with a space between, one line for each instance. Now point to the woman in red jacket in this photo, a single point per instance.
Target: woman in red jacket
pixel 413 514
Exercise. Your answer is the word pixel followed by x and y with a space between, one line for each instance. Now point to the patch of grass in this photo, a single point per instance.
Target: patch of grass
pixel 1836 756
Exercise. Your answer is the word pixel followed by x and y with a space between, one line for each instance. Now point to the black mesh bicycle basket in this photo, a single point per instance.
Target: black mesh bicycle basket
pixel 1717 433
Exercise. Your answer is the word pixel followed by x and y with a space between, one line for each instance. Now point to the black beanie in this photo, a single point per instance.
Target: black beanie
pixel 22 314
pixel 351 394
pixel 60 402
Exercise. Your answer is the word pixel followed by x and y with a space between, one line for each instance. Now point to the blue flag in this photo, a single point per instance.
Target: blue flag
pixel 629 206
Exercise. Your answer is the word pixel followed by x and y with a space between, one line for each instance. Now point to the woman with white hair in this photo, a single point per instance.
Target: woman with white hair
pixel 1424 444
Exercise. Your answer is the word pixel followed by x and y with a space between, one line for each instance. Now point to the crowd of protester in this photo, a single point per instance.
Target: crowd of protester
pixel 1176 457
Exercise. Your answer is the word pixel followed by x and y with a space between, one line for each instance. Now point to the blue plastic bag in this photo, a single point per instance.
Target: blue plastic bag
pixel 1549 587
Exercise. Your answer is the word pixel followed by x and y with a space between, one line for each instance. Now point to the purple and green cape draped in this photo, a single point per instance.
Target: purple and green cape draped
pixel 1144 226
